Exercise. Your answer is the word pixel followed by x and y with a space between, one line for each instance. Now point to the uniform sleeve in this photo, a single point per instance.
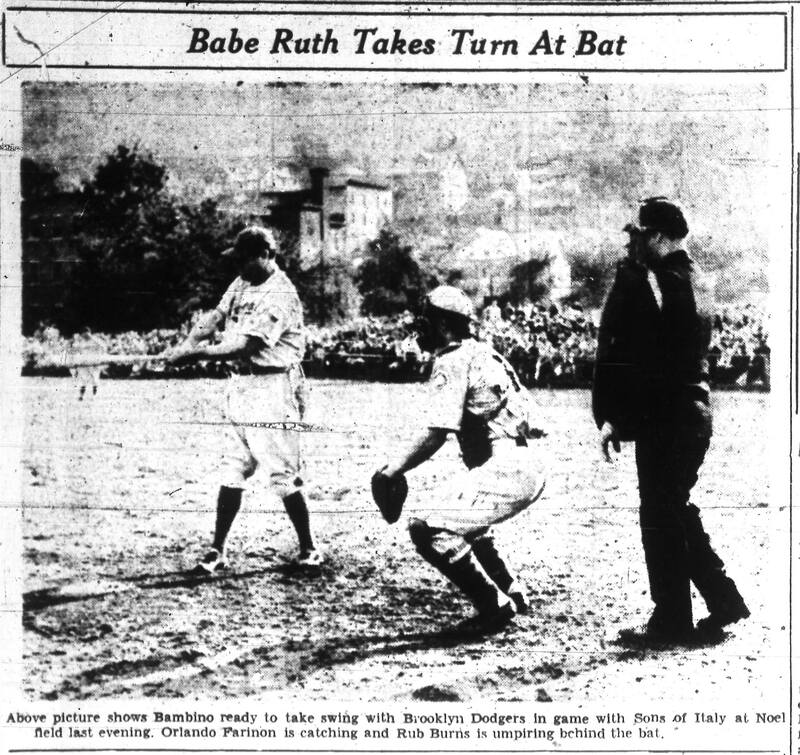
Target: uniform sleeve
pixel 447 393
pixel 269 319
pixel 225 303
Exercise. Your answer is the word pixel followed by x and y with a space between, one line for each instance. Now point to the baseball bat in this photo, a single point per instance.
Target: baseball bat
pixel 98 360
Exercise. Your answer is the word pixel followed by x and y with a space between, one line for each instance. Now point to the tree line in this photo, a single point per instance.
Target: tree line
pixel 127 254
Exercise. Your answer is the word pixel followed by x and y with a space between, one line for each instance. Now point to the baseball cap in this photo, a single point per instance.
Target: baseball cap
pixel 253 241
pixel 657 214
pixel 451 299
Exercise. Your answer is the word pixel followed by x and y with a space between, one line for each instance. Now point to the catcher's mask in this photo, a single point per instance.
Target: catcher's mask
pixel 436 328
pixel 425 332
pixel 447 314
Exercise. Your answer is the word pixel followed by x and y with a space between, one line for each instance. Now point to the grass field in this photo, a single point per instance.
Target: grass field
pixel 119 499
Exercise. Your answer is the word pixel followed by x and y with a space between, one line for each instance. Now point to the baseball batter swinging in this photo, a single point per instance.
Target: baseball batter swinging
pixel 477 395
pixel 263 339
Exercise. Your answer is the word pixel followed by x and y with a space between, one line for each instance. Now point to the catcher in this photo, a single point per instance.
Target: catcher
pixel 476 395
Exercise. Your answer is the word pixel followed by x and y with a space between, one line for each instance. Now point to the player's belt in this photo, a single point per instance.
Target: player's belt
pixel 254 369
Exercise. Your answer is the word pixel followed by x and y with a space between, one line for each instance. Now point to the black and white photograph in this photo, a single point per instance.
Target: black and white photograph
pixel 404 390
pixel 198 516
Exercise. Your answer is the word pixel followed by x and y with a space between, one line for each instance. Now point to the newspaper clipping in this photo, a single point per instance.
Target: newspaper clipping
pixel 384 377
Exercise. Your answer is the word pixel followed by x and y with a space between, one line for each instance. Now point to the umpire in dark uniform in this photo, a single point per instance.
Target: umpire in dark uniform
pixel 651 387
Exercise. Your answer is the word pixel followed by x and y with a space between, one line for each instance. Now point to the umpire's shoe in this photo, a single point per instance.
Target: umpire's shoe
pixel 213 561
pixel 659 635
pixel 712 628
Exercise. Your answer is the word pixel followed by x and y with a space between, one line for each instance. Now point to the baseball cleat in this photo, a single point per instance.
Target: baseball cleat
pixel 213 561
pixel 486 622
pixel 309 557
pixel 520 600
pixel 655 636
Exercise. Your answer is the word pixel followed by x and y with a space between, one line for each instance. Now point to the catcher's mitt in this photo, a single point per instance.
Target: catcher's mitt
pixel 390 494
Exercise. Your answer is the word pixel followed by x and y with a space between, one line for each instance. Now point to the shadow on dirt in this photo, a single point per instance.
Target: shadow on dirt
pixel 37 600
pixel 351 649
pixel 191 579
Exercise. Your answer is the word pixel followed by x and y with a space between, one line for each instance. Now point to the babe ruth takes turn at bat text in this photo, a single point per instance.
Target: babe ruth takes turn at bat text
pixel 376 41
pixel 501 38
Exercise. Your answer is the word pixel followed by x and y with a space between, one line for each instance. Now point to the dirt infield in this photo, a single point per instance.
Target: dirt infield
pixel 118 502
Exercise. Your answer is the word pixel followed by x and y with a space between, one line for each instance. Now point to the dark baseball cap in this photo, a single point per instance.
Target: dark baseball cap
pixel 253 241
pixel 657 214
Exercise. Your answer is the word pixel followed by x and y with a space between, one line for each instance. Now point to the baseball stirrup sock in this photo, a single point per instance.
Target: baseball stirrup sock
pixel 228 503
pixel 467 574
pixel 295 505
pixel 485 551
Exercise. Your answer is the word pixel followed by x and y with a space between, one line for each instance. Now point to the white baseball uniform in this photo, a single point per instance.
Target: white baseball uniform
pixel 476 394
pixel 265 398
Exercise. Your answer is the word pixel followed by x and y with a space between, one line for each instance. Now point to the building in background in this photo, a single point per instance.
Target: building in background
pixel 330 216
pixel 487 258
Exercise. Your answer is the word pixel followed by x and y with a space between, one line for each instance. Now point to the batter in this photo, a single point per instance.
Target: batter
pixel 263 339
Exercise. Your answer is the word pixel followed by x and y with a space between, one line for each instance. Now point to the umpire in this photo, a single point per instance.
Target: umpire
pixel 651 386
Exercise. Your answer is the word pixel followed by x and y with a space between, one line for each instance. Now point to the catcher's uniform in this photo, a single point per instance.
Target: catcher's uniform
pixel 265 397
pixel 476 394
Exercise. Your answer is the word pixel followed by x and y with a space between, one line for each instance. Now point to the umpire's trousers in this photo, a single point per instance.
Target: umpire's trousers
pixel 677 549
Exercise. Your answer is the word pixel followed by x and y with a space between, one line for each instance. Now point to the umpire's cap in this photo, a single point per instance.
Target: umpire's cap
pixel 253 241
pixel 657 214
pixel 451 299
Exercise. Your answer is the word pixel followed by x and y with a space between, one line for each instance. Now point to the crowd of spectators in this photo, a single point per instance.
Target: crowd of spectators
pixel 739 350
pixel 379 348
pixel 548 345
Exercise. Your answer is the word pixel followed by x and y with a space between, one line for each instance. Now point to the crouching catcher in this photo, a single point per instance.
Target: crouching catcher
pixel 476 395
